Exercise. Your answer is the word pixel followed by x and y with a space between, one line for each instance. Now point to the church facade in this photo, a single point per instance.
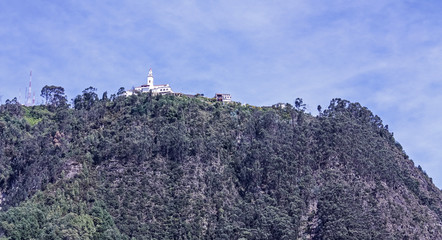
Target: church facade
pixel 150 87
pixel 165 89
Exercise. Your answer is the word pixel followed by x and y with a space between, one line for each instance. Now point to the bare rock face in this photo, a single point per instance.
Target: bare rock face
pixel 1 199
pixel 72 169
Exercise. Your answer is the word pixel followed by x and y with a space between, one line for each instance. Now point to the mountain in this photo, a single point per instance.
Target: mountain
pixel 168 167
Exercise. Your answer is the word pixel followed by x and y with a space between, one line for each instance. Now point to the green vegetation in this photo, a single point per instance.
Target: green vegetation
pixel 165 167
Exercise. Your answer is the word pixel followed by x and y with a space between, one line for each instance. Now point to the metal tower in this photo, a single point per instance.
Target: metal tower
pixel 29 98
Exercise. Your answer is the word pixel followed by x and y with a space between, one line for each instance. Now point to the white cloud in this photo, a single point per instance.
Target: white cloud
pixel 384 54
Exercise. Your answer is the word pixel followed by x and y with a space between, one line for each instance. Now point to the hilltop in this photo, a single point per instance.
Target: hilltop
pixel 174 167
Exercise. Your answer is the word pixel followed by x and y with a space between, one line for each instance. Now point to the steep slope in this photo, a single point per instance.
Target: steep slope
pixel 190 168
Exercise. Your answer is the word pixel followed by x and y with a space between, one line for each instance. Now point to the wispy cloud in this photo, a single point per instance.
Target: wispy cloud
pixel 384 54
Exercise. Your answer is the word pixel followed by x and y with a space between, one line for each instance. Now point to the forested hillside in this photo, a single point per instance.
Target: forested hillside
pixel 165 167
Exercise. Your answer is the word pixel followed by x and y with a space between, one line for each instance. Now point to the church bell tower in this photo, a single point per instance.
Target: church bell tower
pixel 150 79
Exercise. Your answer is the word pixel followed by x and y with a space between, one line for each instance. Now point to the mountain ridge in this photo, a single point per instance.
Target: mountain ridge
pixel 162 167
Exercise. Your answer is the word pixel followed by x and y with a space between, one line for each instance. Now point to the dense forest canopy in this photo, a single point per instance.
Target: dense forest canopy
pixel 176 167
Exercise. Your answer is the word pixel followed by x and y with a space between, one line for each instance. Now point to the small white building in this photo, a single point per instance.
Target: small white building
pixel 280 105
pixel 223 97
pixel 156 89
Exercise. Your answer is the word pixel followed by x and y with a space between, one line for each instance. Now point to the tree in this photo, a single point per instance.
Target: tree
pixel 121 91
pixel 89 95
pixel 300 105
pixel 104 97
pixel 13 107
pixel 54 95
pixel 87 100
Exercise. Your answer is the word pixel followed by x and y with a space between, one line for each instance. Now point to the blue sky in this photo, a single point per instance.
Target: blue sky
pixel 387 55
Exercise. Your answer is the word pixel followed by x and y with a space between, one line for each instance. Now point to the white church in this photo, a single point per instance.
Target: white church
pixel 156 89
pixel 164 89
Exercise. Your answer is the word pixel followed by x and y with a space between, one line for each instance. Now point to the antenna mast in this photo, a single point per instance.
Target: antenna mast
pixel 29 99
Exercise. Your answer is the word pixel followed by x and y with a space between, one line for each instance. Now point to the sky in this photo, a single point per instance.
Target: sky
pixel 386 55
